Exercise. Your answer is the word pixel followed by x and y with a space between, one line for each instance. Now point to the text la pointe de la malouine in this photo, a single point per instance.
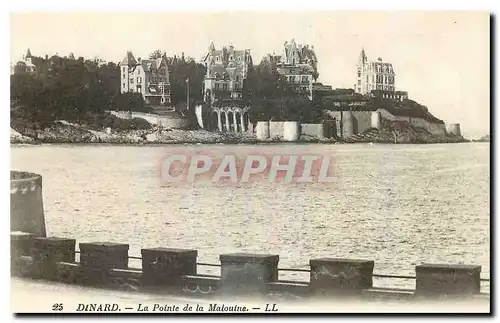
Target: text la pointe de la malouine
pixel 215 307
pixel 190 308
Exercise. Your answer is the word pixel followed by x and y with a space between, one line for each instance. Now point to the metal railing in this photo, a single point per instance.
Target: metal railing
pixel 304 270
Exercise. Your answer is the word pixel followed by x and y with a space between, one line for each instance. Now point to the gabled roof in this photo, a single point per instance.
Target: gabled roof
pixel 152 64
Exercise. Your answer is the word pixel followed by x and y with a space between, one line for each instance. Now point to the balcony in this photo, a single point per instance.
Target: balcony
pixel 222 94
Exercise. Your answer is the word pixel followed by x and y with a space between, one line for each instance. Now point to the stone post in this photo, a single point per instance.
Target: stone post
pixel 336 276
pixel 47 252
pixel 437 279
pixel 242 120
pixel 347 124
pixel 247 273
pixel 20 245
pixel 235 122
pixel 219 121
pixel 96 258
pixel 228 127
pixel 166 266
pixel 26 203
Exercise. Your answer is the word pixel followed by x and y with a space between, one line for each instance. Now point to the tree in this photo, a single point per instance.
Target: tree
pixel 130 101
pixel 20 68
pixel 158 53
pixel 64 88
pixel 272 97
pixel 180 71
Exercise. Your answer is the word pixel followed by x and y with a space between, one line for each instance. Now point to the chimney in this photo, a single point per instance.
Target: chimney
pixel 139 60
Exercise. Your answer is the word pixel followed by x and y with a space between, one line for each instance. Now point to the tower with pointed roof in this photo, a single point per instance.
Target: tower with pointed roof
pixel 149 77
pixel 28 63
pixel 374 75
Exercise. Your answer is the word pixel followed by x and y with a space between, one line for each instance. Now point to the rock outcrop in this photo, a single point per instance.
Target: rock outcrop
pixel 62 132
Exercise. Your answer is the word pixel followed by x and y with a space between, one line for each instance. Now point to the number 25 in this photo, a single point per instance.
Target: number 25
pixel 57 307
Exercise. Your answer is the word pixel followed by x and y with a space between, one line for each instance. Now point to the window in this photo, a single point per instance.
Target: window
pixel 124 69
pixel 123 76
pixel 224 87
pixel 367 78
pixel 231 57
pixel 304 79
pixel 123 84
pixel 359 73
pixel 139 80
pixel 132 81
pixel 217 58
pixel 239 58
pixel 139 88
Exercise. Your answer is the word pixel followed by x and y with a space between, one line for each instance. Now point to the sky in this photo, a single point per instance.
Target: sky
pixel 441 58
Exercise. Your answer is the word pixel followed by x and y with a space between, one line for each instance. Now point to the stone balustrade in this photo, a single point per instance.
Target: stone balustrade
pixel 174 271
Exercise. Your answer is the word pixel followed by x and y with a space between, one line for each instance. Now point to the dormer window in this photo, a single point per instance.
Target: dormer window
pixel 231 57
pixel 217 58
pixel 239 58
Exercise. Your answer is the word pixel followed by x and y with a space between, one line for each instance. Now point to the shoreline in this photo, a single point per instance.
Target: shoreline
pixel 74 134
pixel 256 143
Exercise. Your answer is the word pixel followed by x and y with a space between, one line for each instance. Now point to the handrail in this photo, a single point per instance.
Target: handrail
pixel 305 270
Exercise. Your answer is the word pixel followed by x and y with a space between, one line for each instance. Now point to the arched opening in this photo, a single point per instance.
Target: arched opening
pixel 214 121
pixel 244 127
pixel 223 121
pixel 230 117
pixel 238 122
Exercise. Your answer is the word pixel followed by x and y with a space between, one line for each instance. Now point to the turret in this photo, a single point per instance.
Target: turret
pixel 362 58
pixel 127 62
